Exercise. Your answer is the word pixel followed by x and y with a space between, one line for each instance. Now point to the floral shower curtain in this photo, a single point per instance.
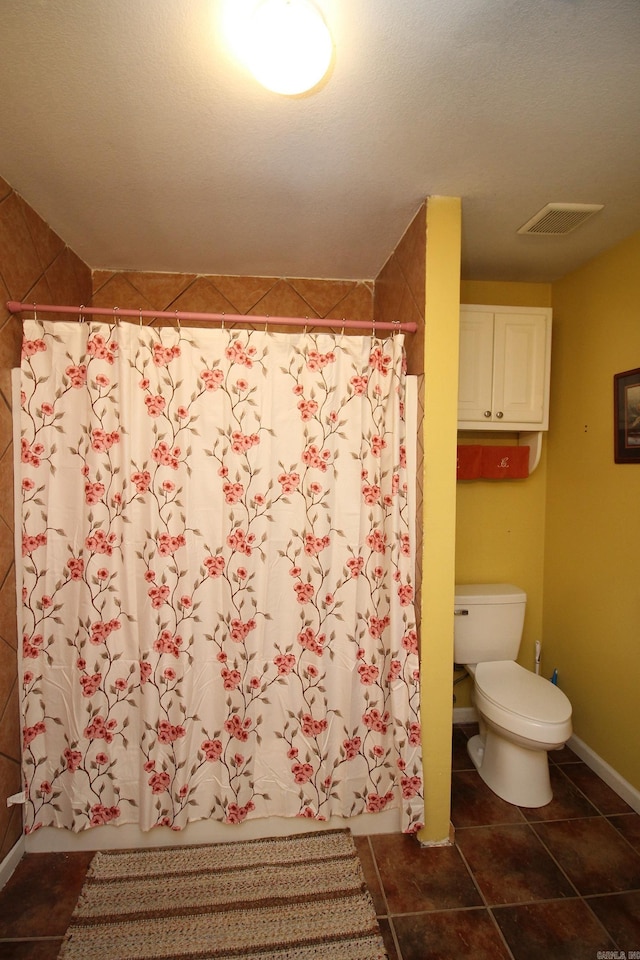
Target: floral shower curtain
pixel 217 599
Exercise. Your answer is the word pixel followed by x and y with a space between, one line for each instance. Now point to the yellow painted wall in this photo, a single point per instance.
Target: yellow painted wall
pixel 500 524
pixel 592 570
pixel 442 300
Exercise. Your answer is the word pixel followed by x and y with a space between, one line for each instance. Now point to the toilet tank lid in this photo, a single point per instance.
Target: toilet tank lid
pixel 489 593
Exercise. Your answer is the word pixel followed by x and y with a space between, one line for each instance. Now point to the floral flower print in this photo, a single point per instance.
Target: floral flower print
pixel 241 443
pixel 204 614
pixel 285 662
pixel 369 673
pixel 237 728
pixel 233 492
pixel 75 566
pixel 315 458
pixel 237 353
pixel 77 376
pixel 355 565
pixel 166 642
pixel 93 492
pixel 100 542
pixel 31 646
pixel 289 482
pixel 155 405
pixel 101 441
pixel 380 361
pixel 410 641
pixel 29 544
pixel 162 356
pixel 352 747
pixel 159 782
pixel 312 641
pixel 31 453
pixel 313 727
pixel 168 733
pixel 308 409
pixel 73 759
pixel 165 456
pixel 305 592
pixel 31 347
pixel 405 594
pixel 98 347
pixel 212 750
pixel 100 814
pixel 90 684
pixel 168 545
pixel 215 565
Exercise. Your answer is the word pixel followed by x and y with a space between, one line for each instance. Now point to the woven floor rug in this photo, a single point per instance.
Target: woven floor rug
pixel 292 898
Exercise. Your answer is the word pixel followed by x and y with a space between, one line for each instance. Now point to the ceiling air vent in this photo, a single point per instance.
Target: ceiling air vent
pixel 556 219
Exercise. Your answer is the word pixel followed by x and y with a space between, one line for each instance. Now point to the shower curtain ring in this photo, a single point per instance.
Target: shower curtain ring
pixel 80 313
pixel 116 317
pixel 178 321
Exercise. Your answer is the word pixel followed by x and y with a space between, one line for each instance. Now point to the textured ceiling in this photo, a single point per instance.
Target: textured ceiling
pixel 132 130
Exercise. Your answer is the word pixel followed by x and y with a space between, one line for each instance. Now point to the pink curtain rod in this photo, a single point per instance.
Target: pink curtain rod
pixel 14 306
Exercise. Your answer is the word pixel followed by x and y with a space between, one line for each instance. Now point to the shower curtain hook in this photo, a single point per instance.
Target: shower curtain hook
pixel 222 321
pixel 80 313
pixel 35 312
pixel 140 317
pixel 178 321
pixel 115 314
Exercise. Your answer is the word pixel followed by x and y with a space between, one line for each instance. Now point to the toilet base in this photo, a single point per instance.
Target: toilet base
pixel 516 774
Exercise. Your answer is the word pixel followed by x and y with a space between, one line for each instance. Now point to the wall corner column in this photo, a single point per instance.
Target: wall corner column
pixel 442 310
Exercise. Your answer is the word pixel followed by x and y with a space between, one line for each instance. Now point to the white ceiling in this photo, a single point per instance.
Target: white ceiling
pixel 131 129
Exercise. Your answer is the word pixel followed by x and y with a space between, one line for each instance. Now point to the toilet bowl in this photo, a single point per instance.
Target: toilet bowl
pixel 522 717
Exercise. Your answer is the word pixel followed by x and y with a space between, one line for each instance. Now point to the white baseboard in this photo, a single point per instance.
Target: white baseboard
pixel 606 772
pixel 465 715
pixel 595 762
pixel 11 861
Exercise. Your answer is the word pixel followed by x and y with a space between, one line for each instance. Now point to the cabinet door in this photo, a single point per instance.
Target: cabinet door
pixel 519 367
pixel 475 374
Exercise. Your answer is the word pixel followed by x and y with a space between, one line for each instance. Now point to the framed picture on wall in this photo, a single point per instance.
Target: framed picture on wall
pixel 626 405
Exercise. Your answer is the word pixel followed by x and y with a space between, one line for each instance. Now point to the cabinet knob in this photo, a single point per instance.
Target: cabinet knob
pixel 487 413
pixel 499 414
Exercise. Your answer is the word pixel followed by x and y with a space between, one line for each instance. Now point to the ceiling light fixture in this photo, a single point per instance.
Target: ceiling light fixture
pixel 288 45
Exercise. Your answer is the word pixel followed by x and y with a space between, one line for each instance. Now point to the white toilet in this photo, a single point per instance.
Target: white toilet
pixel 522 715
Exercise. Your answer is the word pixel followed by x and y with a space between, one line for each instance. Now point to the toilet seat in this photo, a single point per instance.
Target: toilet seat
pixel 522 702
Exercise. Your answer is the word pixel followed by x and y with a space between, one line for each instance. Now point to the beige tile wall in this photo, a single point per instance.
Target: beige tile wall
pixel 400 288
pixel 400 294
pixel 35 266
pixel 253 296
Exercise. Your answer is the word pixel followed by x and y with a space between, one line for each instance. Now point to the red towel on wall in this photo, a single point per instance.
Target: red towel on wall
pixel 504 463
pixel 469 462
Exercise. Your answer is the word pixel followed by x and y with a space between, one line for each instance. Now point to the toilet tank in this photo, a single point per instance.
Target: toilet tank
pixel 488 621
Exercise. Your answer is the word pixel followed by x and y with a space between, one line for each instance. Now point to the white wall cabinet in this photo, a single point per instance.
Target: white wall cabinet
pixel 505 364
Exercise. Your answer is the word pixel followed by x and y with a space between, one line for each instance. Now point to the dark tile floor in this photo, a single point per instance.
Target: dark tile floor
pixel 558 883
